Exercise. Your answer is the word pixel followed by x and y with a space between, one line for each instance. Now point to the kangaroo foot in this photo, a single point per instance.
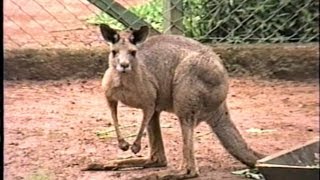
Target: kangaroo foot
pixel 123 145
pixel 126 163
pixel 170 175
pixel 136 147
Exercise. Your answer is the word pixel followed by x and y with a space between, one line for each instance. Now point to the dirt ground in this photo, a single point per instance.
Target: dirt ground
pixel 51 128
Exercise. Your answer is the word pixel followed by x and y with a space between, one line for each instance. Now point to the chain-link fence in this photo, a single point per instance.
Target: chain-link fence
pixel 251 21
pixel 68 23
pixel 45 23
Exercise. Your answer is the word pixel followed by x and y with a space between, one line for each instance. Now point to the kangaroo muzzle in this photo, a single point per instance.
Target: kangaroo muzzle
pixel 123 67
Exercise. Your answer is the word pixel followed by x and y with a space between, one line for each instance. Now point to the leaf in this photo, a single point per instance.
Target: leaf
pixel 166 126
pixel 240 172
pixel 105 134
pixel 249 173
pixel 260 131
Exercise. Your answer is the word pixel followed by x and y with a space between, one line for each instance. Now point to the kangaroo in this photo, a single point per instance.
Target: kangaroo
pixel 174 74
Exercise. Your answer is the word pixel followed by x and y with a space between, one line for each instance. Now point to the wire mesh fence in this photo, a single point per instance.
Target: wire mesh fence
pixel 71 23
pixel 250 21
pixel 45 23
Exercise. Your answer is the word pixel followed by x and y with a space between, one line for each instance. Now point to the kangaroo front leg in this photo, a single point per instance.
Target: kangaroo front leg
pixel 147 115
pixel 123 145
pixel 157 156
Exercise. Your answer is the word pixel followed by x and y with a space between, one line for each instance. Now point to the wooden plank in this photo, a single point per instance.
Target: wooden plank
pixel 173 16
pixel 292 164
pixel 123 15
pixel 276 173
pixel 312 144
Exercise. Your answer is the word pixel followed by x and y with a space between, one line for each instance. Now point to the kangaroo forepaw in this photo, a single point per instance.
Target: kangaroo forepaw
pixel 136 147
pixel 123 145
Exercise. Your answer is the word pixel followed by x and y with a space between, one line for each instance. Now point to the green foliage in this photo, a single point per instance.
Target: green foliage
pixel 150 12
pixel 253 21
pixel 193 13
pixel 231 21
pixel 104 18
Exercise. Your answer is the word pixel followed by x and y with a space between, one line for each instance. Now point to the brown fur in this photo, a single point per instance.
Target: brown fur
pixel 174 74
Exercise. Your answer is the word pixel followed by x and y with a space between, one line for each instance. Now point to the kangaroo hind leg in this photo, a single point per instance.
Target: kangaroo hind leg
pixel 188 168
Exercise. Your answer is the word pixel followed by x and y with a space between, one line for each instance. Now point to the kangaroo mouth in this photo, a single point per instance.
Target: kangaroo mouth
pixel 123 70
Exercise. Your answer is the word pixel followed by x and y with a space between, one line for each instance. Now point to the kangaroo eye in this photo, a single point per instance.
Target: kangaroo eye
pixel 133 53
pixel 114 53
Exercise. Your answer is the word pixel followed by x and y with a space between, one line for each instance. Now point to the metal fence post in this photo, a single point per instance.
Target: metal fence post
pixel 173 16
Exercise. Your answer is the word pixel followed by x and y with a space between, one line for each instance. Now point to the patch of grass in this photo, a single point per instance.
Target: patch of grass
pixel 40 175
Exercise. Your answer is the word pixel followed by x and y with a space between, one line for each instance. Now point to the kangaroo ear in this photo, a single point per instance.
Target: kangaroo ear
pixel 140 35
pixel 109 34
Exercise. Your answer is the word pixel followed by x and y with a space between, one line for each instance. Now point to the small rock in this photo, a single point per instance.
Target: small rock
pixel 99 119
pixel 109 124
pixel 117 174
pixel 310 129
pixel 14 144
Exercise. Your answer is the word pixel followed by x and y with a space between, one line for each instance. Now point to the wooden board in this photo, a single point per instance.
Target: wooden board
pixel 297 163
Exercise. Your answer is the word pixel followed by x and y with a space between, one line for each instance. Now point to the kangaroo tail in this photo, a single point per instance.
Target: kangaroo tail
pixel 231 138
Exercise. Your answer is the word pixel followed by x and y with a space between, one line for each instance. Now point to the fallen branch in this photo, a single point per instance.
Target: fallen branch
pixel 204 134
pixel 120 127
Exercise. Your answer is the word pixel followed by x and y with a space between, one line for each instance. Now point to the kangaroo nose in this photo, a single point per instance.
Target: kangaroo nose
pixel 124 65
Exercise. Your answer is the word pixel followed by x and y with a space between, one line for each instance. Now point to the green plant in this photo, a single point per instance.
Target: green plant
pixel 150 12
pixel 247 21
pixel 251 21
pixel 193 13
pixel 104 18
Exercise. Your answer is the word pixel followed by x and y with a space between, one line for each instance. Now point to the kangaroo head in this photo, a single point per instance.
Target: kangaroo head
pixel 123 46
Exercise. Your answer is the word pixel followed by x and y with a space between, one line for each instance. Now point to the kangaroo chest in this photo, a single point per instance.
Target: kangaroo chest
pixel 131 93
pixel 129 97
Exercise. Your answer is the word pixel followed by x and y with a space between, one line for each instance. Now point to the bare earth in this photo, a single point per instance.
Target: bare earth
pixel 51 128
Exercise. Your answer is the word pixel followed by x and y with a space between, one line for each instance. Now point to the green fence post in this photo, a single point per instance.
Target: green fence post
pixel 173 16
pixel 122 14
